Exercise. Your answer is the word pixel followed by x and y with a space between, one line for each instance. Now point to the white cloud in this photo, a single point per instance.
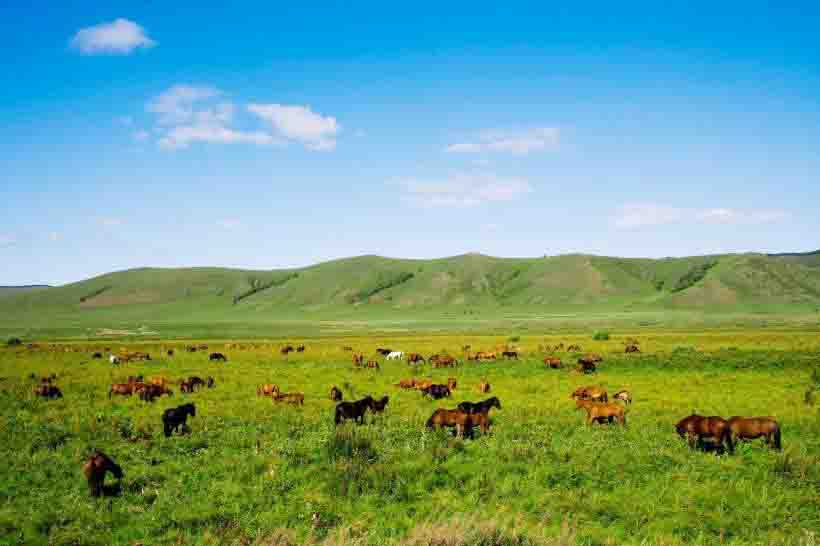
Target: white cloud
pixel 119 37
pixel 176 105
pixel 300 123
pixel 519 142
pixel 639 215
pixel 465 190
pixel 181 137
pixel 110 221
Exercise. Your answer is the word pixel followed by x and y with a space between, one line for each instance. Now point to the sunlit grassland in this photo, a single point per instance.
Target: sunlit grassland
pixel 251 468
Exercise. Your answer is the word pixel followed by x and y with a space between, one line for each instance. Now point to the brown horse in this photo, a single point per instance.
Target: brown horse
pixel 125 389
pixel 445 361
pixel 602 412
pixel 48 391
pixel 483 387
pixel 461 421
pixel 159 381
pixel 553 362
pixel 510 354
pixel 336 394
pixel 295 398
pixel 94 470
pixel 150 392
pixel 751 428
pixel 696 428
pixel 358 360
pixel 595 394
pixel 407 383
pixel 286 349
pixel 372 364
pixel 267 389
pixel 415 358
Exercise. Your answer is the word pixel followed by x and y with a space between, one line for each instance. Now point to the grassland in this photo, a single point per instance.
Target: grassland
pixel 252 472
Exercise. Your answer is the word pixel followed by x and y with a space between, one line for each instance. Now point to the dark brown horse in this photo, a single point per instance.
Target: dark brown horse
pixel 336 394
pixel 510 354
pixel 697 428
pixel 596 394
pixel 48 391
pixel 751 428
pixel 176 418
pixel 436 392
pixel 353 410
pixel 463 422
pixel 94 470
pixel 294 398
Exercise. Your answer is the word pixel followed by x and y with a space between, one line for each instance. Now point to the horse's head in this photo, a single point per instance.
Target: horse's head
pixel 190 409
pixel 495 402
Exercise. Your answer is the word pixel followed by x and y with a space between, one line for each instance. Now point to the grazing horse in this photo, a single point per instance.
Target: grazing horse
pixel 336 394
pixel 353 410
pixel 480 407
pixel 586 365
pixel 407 383
pixel 379 405
pixel 553 362
pixel 358 360
pixel 384 352
pixel 267 389
pixel 415 358
pixel 125 389
pixel 150 392
pixel 697 427
pixel 750 428
pixel 96 355
pixel 632 348
pixel 460 420
pixel 48 391
pixel 186 386
pixel 451 383
pixel 295 398
pixel 300 349
pixel 421 384
pixel 623 396
pixel 483 387
pixel 372 364
pixel 436 392
pixel 174 418
pixel 94 470
pixel 217 357
pixel 510 354
pixel 595 394
pixel 196 381
pixel 602 412
pixel 286 349
pixel 395 355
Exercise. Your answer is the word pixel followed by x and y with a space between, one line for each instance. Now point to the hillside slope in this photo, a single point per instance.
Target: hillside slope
pixel 471 281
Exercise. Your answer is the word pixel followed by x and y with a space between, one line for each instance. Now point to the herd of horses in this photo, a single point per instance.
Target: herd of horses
pixel 701 432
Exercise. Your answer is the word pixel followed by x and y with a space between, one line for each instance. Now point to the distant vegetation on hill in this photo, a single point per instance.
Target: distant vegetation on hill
pixel 465 284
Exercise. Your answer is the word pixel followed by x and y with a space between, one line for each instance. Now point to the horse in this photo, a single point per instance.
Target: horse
pixel 353 410
pixel 174 418
pixel 159 381
pixel 750 428
pixel 395 355
pixel 384 352
pixel 451 383
pixel 510 354
pixel 372 364
pixel 358 360
pixel 295 398
pixel 623 396
pixel 300 349
pixel 170 352
pixel 195 381
pixel 595 394
pixel 96 356
pixel 267 389
pixel 217 357
pixel 125 389
pixel 286 349
pixel 602 412
pixel 553 362
pixel 186 386
pixel 436 392
pixel 631 348
pixel 586 366
pixel 113 359
pixel 480 407
pixel 336 394
pixel 697 427
pixel 94 470
pixel 461 421
pixel 483 387
pixel 407 383
pixel 149 392
pixel 48 391
pixel 414 358
pixel 379 405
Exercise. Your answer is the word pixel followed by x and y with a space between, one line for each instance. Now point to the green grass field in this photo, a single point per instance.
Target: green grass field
pixel 251 472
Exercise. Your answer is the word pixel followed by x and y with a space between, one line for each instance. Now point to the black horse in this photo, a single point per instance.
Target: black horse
pixel 480 407
pixel 173 418
pixel 437 392
pixel 379 405
pixel 353 410
pixel 217 357
pixel 384 351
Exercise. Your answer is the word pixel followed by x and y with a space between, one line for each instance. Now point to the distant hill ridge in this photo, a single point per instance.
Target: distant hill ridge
pixel 700 282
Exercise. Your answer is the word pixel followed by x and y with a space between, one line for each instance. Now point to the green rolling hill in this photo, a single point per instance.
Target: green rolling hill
pixel 373 287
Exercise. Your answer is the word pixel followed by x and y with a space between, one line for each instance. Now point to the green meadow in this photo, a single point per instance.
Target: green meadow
pixel 254 472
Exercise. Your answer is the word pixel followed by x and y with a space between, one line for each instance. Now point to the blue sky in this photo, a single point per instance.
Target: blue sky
pixel 269 135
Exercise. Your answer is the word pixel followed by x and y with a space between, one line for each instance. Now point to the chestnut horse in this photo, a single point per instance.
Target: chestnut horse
pixel 696 428
pixel 95 468
pixel 750 428
pixel 602 412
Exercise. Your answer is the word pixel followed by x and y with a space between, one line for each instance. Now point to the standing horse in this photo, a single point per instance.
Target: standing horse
pixel 353 410
pixel 696 428
pixel 750 428
pixel 602 412
pixel 480 407
pixel 94 470
pixel 174 418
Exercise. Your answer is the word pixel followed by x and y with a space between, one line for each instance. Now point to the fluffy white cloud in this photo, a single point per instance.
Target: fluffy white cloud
pixel 176 105
pixel 520 142
pixel 465 190
pixel 300 123
pixel 639 215
pixel 181 137
pixel 120 36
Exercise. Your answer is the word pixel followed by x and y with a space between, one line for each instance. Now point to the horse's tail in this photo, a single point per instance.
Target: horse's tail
pixel 777 444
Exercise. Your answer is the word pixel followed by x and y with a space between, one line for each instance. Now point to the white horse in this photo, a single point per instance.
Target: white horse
pixel 395 355
pixel 114 359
